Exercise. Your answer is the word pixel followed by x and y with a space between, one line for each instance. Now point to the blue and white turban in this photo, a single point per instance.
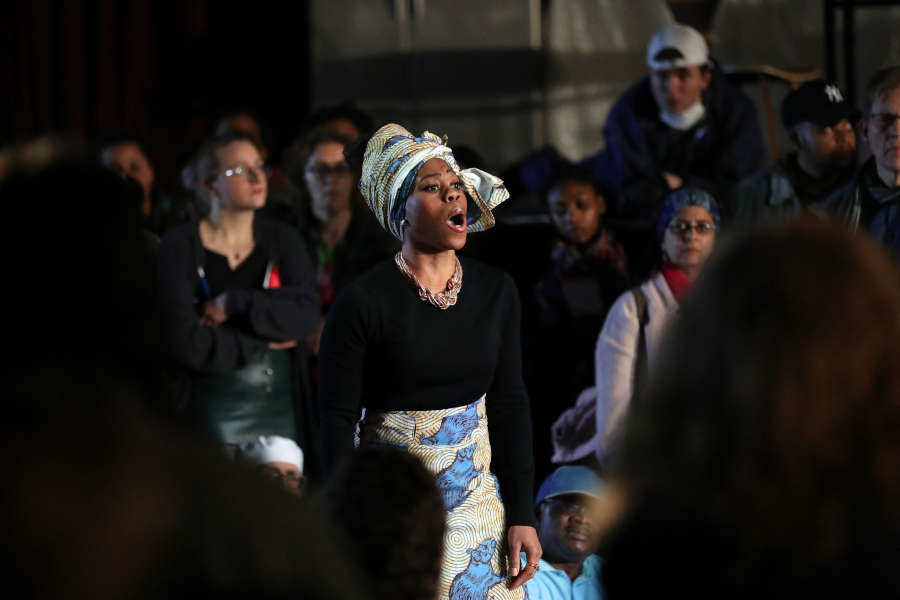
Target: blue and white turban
pixel 393 158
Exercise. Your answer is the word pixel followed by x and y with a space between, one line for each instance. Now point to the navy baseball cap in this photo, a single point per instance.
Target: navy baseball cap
pixel 569 480
pixel 818 102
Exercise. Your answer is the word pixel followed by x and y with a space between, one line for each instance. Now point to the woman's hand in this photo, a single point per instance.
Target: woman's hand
pixel 283 345
pixel 214 311
pixel 523 538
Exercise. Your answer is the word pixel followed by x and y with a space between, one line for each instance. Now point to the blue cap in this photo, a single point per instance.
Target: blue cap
pixel 569 480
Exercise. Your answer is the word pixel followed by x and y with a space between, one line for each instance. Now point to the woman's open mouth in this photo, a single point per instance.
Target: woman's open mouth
pixel 457 220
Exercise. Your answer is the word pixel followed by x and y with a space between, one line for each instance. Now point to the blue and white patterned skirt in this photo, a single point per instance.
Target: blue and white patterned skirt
pixel 454 445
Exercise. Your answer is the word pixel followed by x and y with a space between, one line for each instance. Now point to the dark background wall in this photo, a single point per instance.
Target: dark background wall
pixel 163 68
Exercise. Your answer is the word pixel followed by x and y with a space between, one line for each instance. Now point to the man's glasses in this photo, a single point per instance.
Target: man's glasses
pixel 241 170
pixel 321 171
pixel 883 120
pixel 700 227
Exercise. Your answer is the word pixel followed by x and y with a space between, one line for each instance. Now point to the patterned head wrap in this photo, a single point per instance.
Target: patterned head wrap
pixel 678 199
pixel 392 160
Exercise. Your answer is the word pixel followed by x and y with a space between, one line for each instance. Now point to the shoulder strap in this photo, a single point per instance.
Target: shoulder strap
pixel 640 359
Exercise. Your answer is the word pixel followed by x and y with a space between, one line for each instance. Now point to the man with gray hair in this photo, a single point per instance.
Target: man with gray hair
pixel 871 201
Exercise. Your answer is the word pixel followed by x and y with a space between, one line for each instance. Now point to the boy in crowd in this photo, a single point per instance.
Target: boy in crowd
pixel 683 124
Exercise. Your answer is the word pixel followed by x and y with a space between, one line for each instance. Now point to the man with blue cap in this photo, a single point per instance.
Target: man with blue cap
pixel 568 506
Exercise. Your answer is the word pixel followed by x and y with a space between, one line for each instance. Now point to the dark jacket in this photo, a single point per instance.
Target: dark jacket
pixel 725 146
pixel 781 193
pixel 288 313
pixel 365 244
pixel 866 203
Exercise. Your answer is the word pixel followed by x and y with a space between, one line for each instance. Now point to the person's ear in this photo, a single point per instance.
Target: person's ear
pixel 601 203
pixel 796 139
pixel 864 129
pixel 705 78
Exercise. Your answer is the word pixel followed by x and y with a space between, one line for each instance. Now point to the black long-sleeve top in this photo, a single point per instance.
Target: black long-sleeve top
pixel 255 316
pixel 385 349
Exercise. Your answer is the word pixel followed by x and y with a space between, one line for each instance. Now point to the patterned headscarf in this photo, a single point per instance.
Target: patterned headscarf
pixel 678 199
pixel 392 160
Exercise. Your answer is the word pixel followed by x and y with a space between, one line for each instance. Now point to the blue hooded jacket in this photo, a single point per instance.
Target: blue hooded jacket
pixel 725 146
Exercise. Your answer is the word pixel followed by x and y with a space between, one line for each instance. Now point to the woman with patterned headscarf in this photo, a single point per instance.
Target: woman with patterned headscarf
pixel 428 344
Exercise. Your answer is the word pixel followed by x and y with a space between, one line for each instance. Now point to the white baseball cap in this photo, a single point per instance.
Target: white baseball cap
pixel 272 448
pixel 676 46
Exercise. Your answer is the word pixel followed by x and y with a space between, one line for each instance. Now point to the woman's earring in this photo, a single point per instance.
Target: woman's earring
pixel 403 225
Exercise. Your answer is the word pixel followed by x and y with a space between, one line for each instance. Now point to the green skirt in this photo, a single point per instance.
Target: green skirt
pixel 248 402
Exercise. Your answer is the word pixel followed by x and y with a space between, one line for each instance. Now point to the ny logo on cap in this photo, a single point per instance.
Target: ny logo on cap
pixel 833 93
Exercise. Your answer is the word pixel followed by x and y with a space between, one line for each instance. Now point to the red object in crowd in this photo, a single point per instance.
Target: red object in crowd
pixel 272 279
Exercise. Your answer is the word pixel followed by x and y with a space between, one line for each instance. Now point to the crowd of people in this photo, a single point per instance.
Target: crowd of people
pixel 701 364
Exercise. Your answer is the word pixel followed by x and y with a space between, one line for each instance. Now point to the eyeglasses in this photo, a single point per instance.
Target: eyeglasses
pixel 700 227
pixel 321 170
pixel 559 506
pixel 883 120
pixel 291 479
pixel 241 169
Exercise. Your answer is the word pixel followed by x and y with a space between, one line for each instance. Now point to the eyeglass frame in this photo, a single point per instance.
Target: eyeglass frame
pixel 322 170
pixel 244 169
pixel 883 125
pixel 698 228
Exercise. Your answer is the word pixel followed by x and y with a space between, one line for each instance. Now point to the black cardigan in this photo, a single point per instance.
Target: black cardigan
pixel 290 312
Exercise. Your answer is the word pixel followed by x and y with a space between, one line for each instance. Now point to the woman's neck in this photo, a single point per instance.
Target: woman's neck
pixel 433 269
pixel 334 229
pixel 231 228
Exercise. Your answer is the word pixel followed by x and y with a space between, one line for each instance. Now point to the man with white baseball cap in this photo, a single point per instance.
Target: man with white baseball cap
pixel 820 123
pixel 683 124
pixel 278 457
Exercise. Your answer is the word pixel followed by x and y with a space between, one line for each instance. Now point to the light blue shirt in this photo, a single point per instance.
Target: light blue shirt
pixel 553 584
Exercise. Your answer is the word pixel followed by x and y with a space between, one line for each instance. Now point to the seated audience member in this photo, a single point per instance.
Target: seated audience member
pixel 237 292
pixel 124 154
pixel 392 516
pixel 279 458
pixel 764 462
pixel 820 124
pixel 587 273
pixel 871 201
pixel 343 237
pixel 568 511
pixel 628 345
pixel 683 125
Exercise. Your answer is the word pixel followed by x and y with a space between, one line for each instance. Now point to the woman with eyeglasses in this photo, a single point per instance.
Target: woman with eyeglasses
pixel 626 348
pixel 341 236
pixel 237 293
